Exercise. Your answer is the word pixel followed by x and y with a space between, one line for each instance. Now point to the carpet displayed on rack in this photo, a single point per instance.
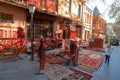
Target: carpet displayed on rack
pixel 56 72
pixel 91 60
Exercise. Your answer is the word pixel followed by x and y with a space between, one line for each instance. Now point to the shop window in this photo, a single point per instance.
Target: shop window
pixel 40 27
pixel 6 18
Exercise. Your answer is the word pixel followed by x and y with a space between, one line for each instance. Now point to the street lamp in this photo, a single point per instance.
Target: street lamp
pixel 32 10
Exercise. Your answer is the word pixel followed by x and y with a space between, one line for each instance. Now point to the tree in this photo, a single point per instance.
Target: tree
pixel 116 29
pixel 114 11
pixel 117 21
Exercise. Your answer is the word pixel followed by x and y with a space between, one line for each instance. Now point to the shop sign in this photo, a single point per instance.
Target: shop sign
pixel 51 6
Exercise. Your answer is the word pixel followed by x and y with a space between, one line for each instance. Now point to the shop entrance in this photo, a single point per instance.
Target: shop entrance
pixel 40 27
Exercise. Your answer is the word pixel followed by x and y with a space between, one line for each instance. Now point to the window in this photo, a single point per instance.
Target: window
pixel 1 33
pixel 69 5
pixel 6 18
pixel 79 10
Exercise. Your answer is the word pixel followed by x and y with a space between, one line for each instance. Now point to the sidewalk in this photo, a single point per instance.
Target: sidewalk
pixel 111 71
pixel 24 69
pixel 21 69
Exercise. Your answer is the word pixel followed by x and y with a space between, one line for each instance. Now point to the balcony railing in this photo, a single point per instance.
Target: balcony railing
pixel 18 1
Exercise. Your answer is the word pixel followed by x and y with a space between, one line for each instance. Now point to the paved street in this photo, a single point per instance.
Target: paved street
pixel 20 70
pixel 25 69
pixel 112 71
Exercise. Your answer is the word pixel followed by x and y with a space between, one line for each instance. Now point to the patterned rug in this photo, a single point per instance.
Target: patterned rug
pixel 53 59
pixel 56 72
pixel 91 60
pixel 86 72
pixel 85 75
pixel 73 76
pixel 96 49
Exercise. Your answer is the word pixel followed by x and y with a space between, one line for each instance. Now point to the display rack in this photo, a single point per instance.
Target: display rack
pixel 10 48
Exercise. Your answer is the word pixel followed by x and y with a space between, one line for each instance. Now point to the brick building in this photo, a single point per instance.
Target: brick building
pixel 98 25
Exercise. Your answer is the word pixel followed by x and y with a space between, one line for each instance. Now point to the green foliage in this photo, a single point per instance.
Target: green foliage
pixel 114 12
pixel 114 37
pixel 118 19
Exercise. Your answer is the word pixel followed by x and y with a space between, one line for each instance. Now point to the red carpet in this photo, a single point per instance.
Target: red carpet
pixel 86 75
pixel 56 72
pixel 75 76
pixel 91 60
pixel 96 49
pixel 53 59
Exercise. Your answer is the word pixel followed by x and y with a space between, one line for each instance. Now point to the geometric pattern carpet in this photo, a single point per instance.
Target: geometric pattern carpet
pixel 91 60
pixel 56 72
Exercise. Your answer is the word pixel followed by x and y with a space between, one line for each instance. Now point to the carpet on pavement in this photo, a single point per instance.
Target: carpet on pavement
pixel 52 58
pixel 56 72
pixel 91 60
pixel 97 49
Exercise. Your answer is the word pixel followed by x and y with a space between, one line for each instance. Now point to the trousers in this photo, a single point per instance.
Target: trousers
pixel 107 59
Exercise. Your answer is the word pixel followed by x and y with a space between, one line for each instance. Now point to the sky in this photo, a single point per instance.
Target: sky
pixel 103 6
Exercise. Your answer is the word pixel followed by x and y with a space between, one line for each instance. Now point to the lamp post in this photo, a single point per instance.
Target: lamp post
pixel 32 10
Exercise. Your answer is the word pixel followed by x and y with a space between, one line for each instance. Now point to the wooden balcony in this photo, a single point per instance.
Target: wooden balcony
pixel 23 2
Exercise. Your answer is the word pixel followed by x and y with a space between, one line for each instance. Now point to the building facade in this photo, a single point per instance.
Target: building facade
pixel 70 18
pixel 60 19
pixel 99 25
pixel 87 23
pixel 11 17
